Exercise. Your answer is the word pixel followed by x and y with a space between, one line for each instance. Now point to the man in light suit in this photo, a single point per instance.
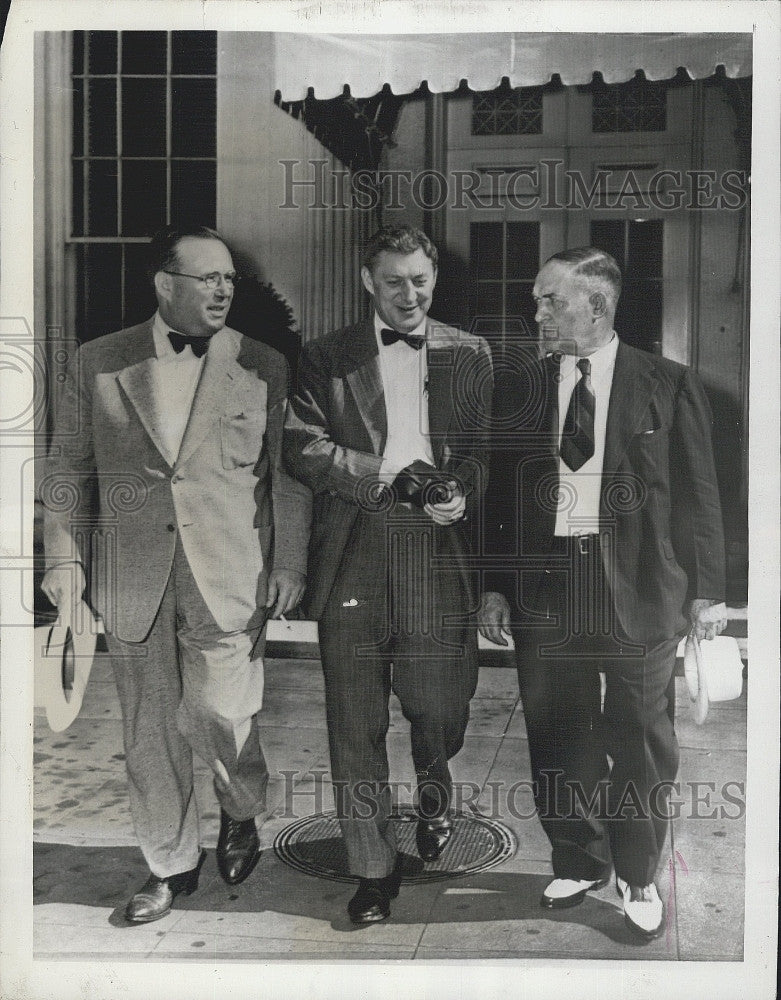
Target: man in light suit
pixel 168 442
pixel 388 429
pixel 605 531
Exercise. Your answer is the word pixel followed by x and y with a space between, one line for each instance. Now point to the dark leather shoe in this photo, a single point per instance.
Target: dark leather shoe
pixel 155 897
pixel 431 837
pixel 371 902
pixel 238 848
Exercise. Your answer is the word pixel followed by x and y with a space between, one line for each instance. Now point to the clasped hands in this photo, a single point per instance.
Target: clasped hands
pixel 435 492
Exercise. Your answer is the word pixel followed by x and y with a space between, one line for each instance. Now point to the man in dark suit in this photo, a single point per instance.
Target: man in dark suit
pixel 605 531
pixel 388 428
pixel 168 446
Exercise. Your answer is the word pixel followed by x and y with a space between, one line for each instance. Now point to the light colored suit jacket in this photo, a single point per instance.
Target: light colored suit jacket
pixel 113 501
pixel 337 425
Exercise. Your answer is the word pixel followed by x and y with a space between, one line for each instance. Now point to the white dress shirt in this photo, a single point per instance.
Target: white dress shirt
pixel 175 379
pixel 579 492
pixel 404 373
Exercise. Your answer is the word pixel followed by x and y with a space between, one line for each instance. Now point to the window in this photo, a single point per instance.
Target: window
pixel 508 112
pixel 638 247
pixel 639 105
pixel 505 259
pixel 144 155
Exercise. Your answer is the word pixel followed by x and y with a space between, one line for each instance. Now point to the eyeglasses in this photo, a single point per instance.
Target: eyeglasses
pixel 210 280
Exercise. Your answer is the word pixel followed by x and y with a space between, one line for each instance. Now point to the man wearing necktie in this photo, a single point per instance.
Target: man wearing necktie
pixel 168 444
pixel 388 428
pixel 605 531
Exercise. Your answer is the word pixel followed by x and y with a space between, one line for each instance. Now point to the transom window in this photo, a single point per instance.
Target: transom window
pixel 639 105
pixel 506 111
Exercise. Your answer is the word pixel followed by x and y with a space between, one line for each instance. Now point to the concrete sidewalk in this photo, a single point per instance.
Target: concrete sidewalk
pixel 86 864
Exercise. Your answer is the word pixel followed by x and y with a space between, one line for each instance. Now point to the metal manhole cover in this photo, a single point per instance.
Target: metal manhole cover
pixel 314 845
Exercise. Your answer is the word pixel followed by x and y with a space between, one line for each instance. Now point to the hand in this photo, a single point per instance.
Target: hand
pixel 285 590
pixel 451 510
pixel 64 584
pixel 708 618
pixel 494 621
pixel 422 484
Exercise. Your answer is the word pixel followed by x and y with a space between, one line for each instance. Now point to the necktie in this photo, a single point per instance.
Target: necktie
pixel 391 336
pixel 179 341
pixel 577 439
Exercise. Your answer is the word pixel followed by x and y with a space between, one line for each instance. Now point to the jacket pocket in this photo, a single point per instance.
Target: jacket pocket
pixel 241 438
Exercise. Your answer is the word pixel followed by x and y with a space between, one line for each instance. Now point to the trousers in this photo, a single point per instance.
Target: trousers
pixel 188 688
pixel 397 619
pixel 600 771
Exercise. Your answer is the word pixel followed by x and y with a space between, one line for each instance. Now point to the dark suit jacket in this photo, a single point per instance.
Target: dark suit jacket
pixel 109 486
pixel 336 429
pixel 659 502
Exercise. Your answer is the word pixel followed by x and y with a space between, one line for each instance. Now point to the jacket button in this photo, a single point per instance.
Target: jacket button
pixel 171 527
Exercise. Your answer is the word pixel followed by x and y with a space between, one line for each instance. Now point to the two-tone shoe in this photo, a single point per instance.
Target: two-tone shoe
pixel 562 893
pixel 643 909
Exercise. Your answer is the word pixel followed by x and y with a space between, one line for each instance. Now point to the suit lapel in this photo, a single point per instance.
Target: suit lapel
pixel 137 382
pixel 549 426
pixel 214 384
pixel 362 371
pixel 634 382
pixel 442 362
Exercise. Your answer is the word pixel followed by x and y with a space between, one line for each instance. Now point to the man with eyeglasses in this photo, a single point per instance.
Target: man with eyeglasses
pixel 169 437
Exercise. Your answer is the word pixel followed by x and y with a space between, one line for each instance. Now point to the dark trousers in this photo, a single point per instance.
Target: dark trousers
pixel 593 810
pixel 396 618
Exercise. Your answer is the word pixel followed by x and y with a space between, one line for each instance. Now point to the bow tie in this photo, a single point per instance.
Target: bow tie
pixel 179 341
pixel 391 336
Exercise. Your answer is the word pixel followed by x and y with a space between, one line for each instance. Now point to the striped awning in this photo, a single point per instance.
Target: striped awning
pixel 365 63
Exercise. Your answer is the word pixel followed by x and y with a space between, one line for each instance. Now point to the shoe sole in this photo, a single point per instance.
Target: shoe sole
pixel 567 902
pixel 360 921
pixel 641 933
pixel 147 920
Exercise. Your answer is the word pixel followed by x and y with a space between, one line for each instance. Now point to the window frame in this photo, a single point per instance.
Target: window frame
pixel 73 242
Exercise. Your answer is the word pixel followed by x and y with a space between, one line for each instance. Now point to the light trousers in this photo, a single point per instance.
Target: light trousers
pixel 188 688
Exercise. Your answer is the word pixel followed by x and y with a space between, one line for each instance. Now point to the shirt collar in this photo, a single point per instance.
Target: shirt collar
pixel 163 348
pixel 601 360
pixel 419 331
